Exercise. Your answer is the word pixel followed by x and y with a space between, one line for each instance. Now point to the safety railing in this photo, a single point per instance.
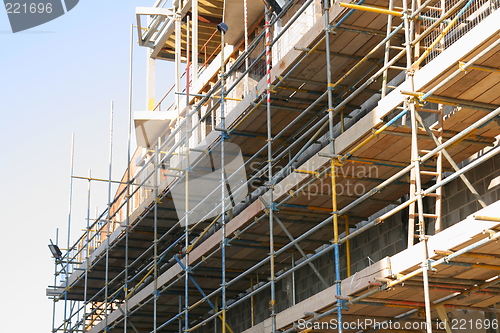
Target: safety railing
pixel 457 17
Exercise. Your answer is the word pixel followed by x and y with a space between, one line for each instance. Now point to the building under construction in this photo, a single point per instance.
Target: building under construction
pixel 317 167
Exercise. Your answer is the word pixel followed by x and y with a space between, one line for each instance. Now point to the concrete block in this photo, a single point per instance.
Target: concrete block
pixel 384 226
pixel 330 268
pixel 458 200
pixel 451 219
pixel 366 251
pixel 430 229
pixel 468 209
pixel 323 271
pixel 400 246
pixel 356 255
pixel 394 221
pixel 388 251
pixel 386 238
pixel 454 217
pixel 471 175
pixel 354 243
pixel 480 186
pixel 394 235
pixel 301 285
pixel 374 232
pixel 486 168
pixel 381 242
pixel 343 275
pixel 452 187
pixel 445 220
pixel 364 237
pixel 470 196
pixel 490 197
pixel 496 162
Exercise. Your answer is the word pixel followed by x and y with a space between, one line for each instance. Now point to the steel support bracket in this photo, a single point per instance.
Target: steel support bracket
pixel 490 233
pixel 331 29
pixel 417 100
pixel 429 265
pixel 337 162
pixel 274 207
pixel 462 66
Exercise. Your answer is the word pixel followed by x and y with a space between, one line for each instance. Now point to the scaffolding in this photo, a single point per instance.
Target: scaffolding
pixel 311 94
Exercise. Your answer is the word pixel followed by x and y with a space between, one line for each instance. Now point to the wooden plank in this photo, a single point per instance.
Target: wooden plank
pixel 478 88
pixel 491 93
pixel 449 238
pixel 464 84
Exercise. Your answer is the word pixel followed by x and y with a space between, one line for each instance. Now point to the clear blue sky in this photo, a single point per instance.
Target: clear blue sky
pixel 58 79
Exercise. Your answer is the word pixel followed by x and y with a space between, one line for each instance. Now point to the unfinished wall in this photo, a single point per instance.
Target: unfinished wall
pixel 459 202
pixel 378 242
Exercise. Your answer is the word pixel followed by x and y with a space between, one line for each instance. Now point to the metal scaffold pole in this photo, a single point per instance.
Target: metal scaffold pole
pixel 222 27
pixel 347 246
pixel 87 252
pixel 245 33
pixel 413 171
pixel 178 39
pixel 387 51
pixel 334 162
pixel 186 173
pixel 108 219
pixel 272 301
pixel 129 182
pixel 68 244
pixel 56 261
pixel 156 163
pixel 415 174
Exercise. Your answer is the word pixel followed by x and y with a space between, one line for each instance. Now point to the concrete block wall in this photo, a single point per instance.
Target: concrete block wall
pixel 371 246
pixel 380 241
pixel 458 201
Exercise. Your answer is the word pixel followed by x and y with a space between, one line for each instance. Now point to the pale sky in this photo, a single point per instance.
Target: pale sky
pixel 59 78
